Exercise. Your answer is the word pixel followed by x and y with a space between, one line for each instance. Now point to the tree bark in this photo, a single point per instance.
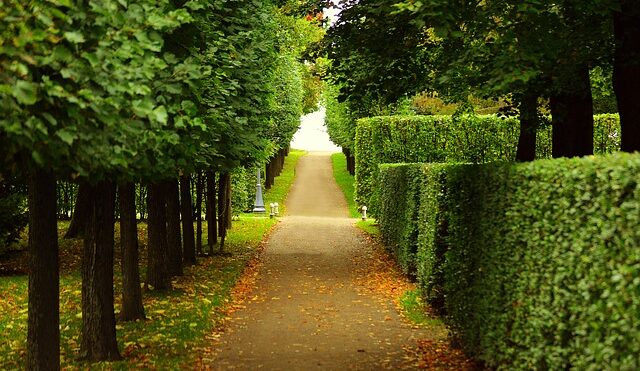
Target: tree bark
pixel 81 212
pixel 98 318
pixel 526 150
pixel 157 266
pixel 350 161
pixel 186 210
pixel 626 72
pixel 267 175
pixel 572 118
pixel 43 334
pixel 199 214
pixel 132 307
pixel 224 210
pixel 212 231
pixel 174 238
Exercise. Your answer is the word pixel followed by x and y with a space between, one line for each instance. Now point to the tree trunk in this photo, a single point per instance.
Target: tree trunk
pixel 98 318
pixel 281 157
pixel 224 210
pixel 157 266
pixel 626 72
pixel 186 210
pixel 267 175
pixel 132 308
pixel 199 214
pixel 81 212
pixel 212 231
pixel 572 118
pixel 350 161
pixel 528 124
pixel 43 335
pixel 174 239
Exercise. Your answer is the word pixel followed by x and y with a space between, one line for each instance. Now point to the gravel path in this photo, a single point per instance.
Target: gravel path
pixel 307 310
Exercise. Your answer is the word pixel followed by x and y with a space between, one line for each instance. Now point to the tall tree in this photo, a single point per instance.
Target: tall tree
pixel 626 71
pixel 157 255
pixel 132 307
pixel 43 339
pixel 174 236
pixel 212 217
pixel 98 319
pixel 224 207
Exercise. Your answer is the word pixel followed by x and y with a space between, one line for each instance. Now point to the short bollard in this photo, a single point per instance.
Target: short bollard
pixel 364 212
pixel 272 210
pixel 277 207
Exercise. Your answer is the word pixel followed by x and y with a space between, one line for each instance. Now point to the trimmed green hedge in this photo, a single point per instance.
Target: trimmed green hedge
pixel 472 139
pixel 536 265
pixel 398 218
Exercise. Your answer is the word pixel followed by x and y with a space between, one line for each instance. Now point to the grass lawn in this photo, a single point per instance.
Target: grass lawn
pixel 178 320
pixel 345 182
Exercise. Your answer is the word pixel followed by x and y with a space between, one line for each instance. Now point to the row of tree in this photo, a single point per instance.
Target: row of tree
pixel 113 93
pixel 532 53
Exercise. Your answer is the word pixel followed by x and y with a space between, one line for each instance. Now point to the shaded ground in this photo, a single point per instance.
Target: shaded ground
pixel 311 307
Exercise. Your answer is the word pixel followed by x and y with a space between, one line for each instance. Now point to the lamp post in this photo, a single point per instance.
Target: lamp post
pixel 258 205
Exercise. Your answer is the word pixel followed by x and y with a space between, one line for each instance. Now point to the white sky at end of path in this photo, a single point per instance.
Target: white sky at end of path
pixel 312 135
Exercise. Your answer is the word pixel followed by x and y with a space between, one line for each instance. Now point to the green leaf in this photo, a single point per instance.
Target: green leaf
pixel 61 53
pixel 66 136
pixel 143 107
pixel 25 92
pixel 160 115
pixel 74 37
pixel 189 107
pixel 92 58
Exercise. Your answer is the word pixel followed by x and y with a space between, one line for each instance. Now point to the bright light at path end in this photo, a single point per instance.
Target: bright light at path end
pixel 312 135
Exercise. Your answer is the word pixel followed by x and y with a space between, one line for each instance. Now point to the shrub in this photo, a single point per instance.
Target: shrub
pixel 473 139
pixel 400 187
pixel 537 264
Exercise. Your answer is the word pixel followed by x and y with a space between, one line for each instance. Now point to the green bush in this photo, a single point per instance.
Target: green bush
pixel 537 265
pixel 472 139
pixel 400 187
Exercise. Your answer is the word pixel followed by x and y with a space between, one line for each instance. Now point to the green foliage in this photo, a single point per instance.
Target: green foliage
pixel 394 139
pixel 604 99
pixel 62 106
pixel 339 121
pixel 475 139
pixel 398 198
pixel 535 264
pixel 13 211
pixel 243 189
pixel 280 189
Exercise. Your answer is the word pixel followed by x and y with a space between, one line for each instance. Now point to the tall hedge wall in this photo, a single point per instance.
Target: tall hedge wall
pixel 536 265
pixel 398 219
pixel 474 139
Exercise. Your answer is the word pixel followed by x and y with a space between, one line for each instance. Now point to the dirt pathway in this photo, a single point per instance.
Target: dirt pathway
pixel 308 310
